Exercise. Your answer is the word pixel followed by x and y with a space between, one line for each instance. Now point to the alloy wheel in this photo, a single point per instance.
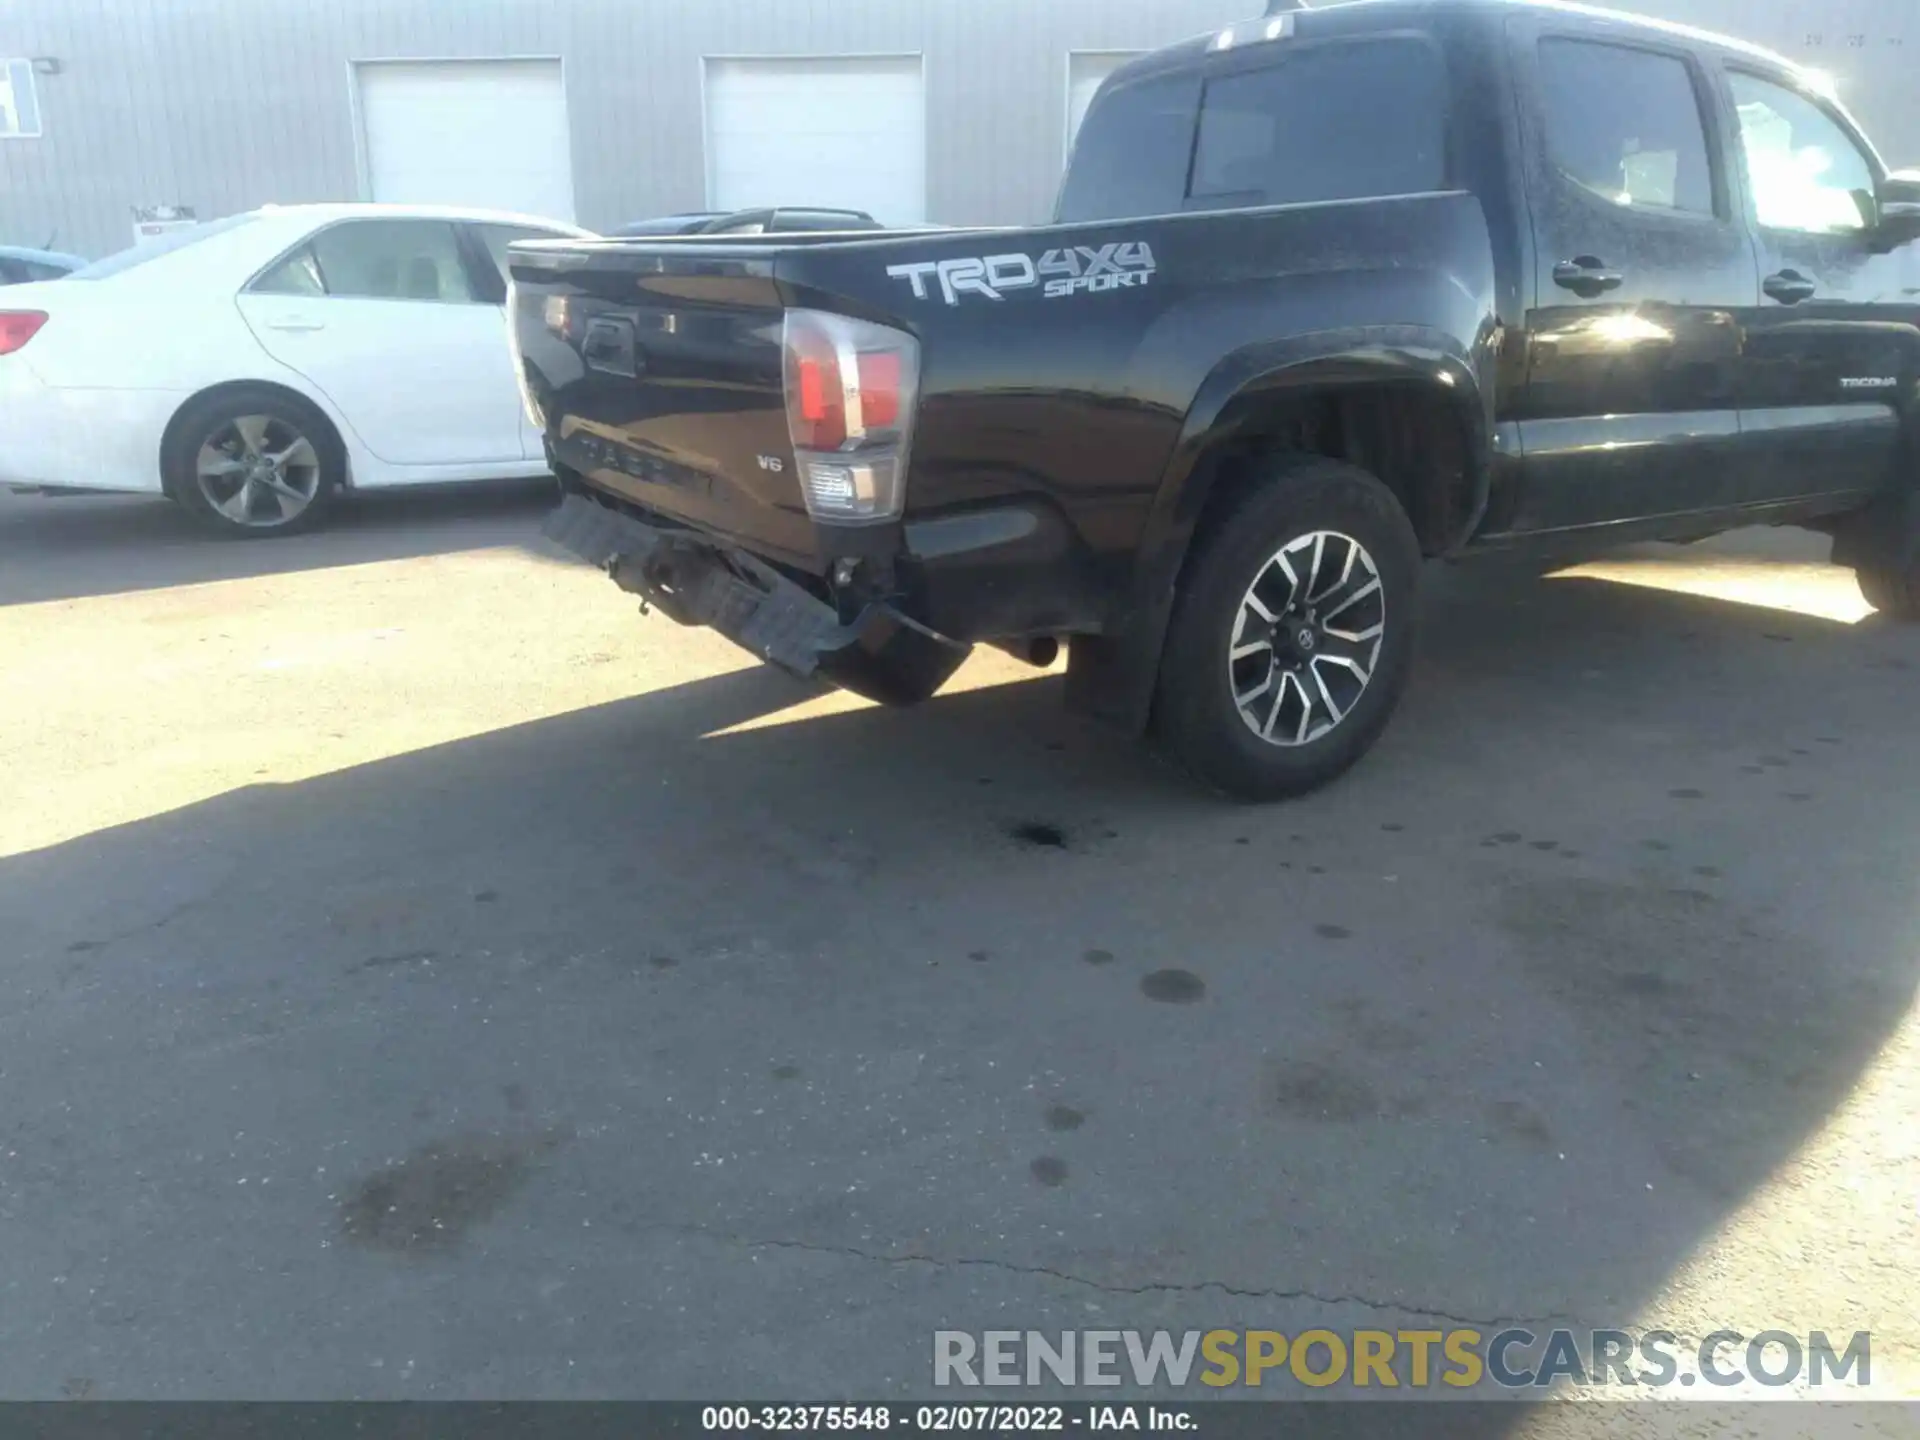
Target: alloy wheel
pixel 258 471
pixel 1306 638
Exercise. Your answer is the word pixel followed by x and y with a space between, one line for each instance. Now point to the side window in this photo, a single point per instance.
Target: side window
pixel 1131 155
pixel 19 106
pixel 393 260
pixel 1626 125
pixel 1338 122
pixel 298 274
pixel 497 237
pixel 11 273
pixel 1805 172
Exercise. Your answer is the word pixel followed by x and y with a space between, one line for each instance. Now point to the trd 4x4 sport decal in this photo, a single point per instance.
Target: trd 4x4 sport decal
pixel 1077 270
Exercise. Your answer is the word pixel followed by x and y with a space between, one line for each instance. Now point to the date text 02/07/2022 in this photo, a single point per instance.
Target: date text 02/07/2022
pixel 940 1419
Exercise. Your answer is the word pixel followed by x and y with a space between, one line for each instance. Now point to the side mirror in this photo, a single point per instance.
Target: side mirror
pixel 1898 204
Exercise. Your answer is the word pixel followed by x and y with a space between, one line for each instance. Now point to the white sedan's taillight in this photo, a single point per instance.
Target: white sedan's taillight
pixel 851 390
pixel 17 327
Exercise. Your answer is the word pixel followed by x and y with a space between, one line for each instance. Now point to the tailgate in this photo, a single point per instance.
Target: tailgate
pixel 658 372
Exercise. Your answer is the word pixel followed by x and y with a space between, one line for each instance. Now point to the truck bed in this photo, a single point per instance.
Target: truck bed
pixel 1060 367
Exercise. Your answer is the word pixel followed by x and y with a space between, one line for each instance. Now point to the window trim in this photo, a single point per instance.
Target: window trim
pixel 1172 74
pixel 8 63
pixel 460 243
pixel 486 277
pixel 1068 130
pixel 1834 112
pixel 1232 65
pixel 253 285
pixel 1719 177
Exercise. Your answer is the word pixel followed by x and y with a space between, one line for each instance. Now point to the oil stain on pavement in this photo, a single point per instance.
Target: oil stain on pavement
pixel 1311 1090
pixel 1039 834
pixel 1173 987
pixel 429 1201
pixel 1049 1170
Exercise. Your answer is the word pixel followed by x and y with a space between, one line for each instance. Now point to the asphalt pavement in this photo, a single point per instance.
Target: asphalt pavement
pixel 425 977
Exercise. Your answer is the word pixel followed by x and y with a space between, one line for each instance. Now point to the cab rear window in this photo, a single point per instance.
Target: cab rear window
pixel 1339 122
pixel 1347 120
pixel 1131 154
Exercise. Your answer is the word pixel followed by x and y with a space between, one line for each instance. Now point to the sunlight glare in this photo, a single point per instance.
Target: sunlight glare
pixel 1821 591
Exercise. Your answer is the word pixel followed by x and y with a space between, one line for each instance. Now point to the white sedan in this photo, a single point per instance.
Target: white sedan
pixel 253 368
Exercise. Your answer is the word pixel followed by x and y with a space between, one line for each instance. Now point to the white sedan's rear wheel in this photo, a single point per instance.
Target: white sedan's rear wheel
pixel 253 462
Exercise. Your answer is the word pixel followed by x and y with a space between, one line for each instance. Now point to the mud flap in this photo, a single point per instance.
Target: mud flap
pixel 881 653
pixel 1878 532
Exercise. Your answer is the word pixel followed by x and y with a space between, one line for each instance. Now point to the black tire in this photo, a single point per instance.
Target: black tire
pixel 1198 715
pixel 241 428
pixel 1884 548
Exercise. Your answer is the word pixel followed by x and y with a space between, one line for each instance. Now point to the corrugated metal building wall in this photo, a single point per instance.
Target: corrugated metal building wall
pixel 226 104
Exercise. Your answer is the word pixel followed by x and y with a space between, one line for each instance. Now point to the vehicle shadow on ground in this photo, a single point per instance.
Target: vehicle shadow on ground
pixel 969 1016
pixel 116 544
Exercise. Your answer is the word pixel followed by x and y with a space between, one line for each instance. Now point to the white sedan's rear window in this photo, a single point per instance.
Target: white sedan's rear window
pixel 124 260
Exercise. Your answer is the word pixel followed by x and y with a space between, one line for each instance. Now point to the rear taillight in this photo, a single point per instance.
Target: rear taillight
pixel 851 388
pixel 19 326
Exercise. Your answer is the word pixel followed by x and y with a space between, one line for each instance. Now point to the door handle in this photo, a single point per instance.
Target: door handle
pixel 295 323
pixel 1789 287
pixel 1586 276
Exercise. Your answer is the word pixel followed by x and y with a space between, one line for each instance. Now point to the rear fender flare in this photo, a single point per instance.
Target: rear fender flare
pixel 1231 400
pixel 1117 674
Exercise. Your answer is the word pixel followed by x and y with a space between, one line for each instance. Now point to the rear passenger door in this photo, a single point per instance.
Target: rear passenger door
pixel 1830 342
pixel 392 320
pixel 1641 272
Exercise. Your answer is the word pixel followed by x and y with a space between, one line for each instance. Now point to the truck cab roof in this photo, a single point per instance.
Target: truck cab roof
pixel 1285 20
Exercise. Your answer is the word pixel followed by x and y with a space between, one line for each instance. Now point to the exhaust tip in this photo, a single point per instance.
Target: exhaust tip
pixel 1037 650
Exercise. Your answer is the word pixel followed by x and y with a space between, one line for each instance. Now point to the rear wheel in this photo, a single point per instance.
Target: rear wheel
pixel 1292 632
pixel 253 463
pixel 1883 546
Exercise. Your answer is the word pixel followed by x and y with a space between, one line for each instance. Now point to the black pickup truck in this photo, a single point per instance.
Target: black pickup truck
pixel 1327 292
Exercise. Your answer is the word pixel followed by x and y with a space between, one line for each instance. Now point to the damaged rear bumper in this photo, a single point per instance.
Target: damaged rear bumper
pixel 880 653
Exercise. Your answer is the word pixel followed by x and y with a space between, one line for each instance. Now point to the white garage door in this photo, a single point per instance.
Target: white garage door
pixel 468 132
pixel 845 134
pixel 1086 69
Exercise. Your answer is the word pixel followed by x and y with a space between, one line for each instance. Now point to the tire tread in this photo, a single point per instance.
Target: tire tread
pixel 1195 721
